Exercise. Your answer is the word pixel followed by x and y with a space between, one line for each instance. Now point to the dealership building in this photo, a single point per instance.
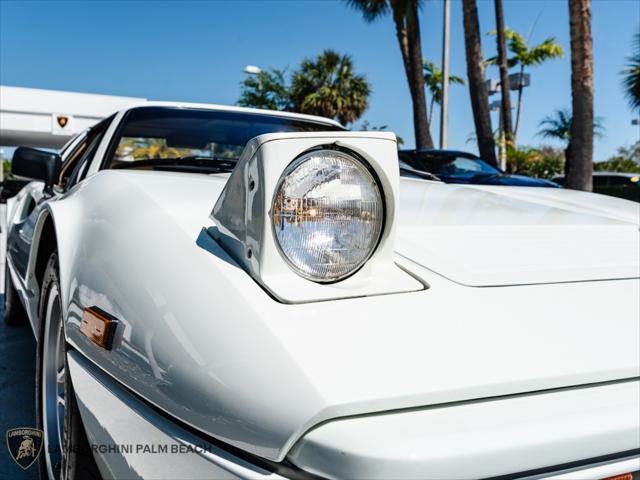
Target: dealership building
pixel 48 118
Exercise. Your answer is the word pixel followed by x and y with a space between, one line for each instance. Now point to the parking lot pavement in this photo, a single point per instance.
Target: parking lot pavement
pixel 17 390
pixel 17 379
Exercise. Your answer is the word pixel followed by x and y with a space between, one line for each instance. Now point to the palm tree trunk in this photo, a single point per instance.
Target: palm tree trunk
pixel 408 34
pixel 507 126
pixel 580 160
pixel 477 87
pixel 520 89
pixel 433 101
pixel 421 124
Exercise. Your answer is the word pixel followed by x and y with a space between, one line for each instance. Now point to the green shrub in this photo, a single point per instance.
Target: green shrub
pixel 545 162
pixel 617 164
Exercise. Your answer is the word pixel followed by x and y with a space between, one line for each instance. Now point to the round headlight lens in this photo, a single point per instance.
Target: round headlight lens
pixel 327 215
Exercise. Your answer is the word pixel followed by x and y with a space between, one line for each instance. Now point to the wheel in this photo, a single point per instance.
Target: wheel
pixel 14 312
pixel 66 453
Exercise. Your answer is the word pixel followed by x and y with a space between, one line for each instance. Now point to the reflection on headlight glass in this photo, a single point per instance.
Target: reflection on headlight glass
pixel 327 215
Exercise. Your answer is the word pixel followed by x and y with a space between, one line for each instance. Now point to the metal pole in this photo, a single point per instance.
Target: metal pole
pixel 444 108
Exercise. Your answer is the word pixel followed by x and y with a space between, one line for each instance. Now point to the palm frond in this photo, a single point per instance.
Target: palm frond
pixel 631 75
pixel 516 43
pixel 558 125
pixel 545 51
pixel 491 61
pixel 433 80
pixel 528 56
pixel 370 9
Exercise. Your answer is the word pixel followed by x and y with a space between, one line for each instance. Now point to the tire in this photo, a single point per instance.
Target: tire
pixel 66 453
pixel 14 312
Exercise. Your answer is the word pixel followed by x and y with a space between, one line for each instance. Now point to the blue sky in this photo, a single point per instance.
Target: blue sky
pixel 196 51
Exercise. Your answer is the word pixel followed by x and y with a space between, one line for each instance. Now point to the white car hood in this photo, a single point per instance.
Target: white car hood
pixel 492 236
pixel 204 342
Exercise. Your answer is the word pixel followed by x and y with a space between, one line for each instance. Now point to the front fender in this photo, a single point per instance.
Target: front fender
pixel 192 336
pixel 205 343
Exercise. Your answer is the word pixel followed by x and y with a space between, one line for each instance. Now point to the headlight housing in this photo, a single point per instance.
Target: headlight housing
pixel 327 215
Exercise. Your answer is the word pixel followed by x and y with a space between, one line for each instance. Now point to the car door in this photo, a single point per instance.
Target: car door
pixel 30 200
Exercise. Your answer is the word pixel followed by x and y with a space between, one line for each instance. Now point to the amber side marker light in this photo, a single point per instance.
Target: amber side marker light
pixel 623 476
pixel 99 327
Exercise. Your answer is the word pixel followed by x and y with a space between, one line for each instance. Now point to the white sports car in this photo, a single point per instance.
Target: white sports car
pixel 221 292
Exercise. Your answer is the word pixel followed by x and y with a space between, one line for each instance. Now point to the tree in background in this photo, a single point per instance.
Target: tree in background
pixel 268 90
pixel 329 87
pixel 477 88
pixel 579 165
pixel 405 15
pixel 326 85
pixel 526 57
pixel 558 126
pixel 627 159
pixel 367 127
pixel 506 126
pixel 433 82
pixel 631 79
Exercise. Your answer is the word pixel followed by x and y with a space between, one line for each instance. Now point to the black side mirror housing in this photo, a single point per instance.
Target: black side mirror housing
pixel 37 165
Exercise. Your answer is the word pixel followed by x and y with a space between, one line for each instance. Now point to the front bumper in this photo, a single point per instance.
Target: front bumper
pixel 467 440
pixel 132 440
pixel 539 435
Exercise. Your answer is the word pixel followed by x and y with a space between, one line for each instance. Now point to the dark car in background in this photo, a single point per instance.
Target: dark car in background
pixel 452 166
pixel 615 184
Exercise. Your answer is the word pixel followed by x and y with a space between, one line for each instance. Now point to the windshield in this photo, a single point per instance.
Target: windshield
pixel 181 139
pixel 453 166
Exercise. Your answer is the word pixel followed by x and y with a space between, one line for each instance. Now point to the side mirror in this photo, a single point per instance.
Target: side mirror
pixel 36 165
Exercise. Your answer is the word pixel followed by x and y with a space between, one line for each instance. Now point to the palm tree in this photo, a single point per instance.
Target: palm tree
pixel 329 87
pixel 406 19
pixel 433 82
pixel 505 86
pixel 526 56
pixel 631 80
pixel 477 88
pixel 558 127
pixel 579 167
